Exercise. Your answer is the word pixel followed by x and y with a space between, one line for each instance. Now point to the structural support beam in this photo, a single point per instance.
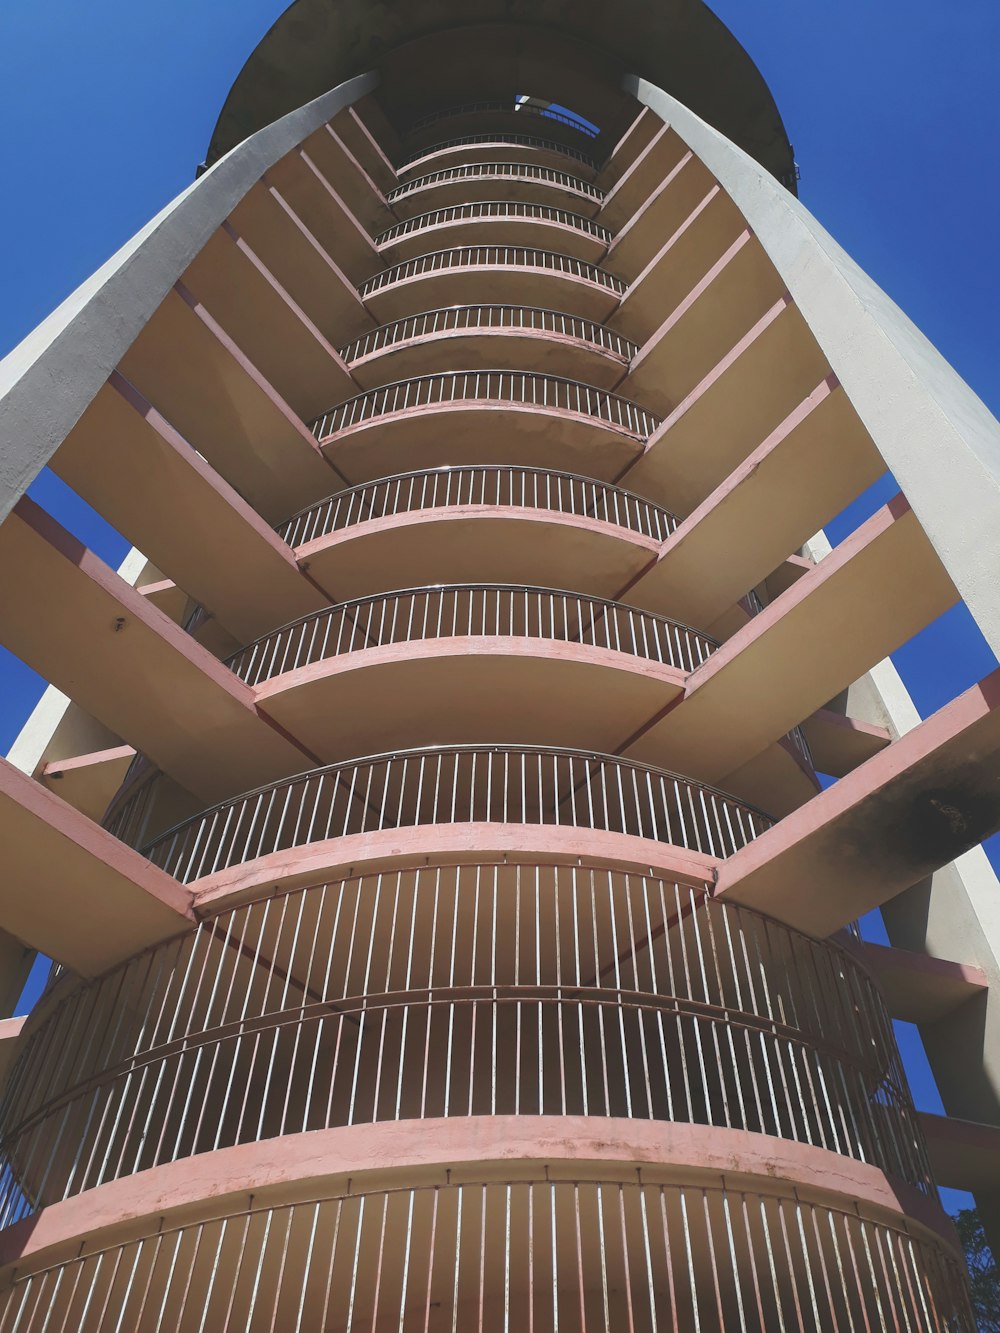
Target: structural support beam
pixel 74 892
pixel 807 470
pixel 880 587
pixel 126 460
pixel 187 712
pixel 919 988
pixel 913 808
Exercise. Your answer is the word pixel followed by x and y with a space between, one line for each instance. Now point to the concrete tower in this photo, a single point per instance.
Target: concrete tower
pixel 450 930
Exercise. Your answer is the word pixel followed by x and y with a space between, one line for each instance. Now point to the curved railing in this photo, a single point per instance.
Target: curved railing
pixel 601 1250
pixel 455 784
pixel 494 485
pixel 503 108
pixel 454 991
pixel 499 208
pixel 473 609
pixel 489 317
pixel 493 256
pixel 515 140
pixel 521 387
pixel 529 171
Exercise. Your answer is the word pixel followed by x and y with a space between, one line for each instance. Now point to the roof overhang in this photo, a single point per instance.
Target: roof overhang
pixel 678 44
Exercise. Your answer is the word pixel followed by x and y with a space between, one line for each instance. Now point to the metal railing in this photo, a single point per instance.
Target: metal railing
pixel 470 171
pixel 492 256
pixel 503 108
pixel 458 784
pixel 470 609
pixel 454 991
pixel 492 485
pixel 524 388
pixel 516 140
pixel 601 1251
pixel 500 318
pixel 494 208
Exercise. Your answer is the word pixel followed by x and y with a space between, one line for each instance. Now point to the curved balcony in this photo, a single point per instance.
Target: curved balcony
pixel 490 522
pixel 485 147
pixel 470 610
pixel 441 664
pixel 511 416
pixel 437 786
pixel 526 181
pixel 448 992
pixel 493 274
pixel 503 222
pixel 503 1250
pixel 508 337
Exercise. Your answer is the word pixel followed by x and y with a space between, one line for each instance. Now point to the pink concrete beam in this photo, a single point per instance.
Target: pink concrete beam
pixel 268 326
pixel 654 161
pixel 964 1155
pixel 919 988
pixel 310 275
pixel 71 890
pixel 666 209
pixel 877 589
pixel 88 782
pixel 127 461
pixel 327 215
pixel 371 142
pixel 682 342
pixel 188 367
pixel 911 809
pixel 758 379
pixel 95 638
pixel 840 743
pixel 812 465
pixel 635 139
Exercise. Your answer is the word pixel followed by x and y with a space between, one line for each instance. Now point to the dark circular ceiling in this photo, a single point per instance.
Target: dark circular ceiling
pixel 679 45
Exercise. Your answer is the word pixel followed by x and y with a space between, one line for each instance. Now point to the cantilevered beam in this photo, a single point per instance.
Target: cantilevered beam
pixel 61 870
pixel 929 797
pixel 882 585
pixel 919 988
pixel 95 638
pixel 127 461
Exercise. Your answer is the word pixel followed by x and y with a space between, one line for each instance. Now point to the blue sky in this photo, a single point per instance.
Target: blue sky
pixel 107 108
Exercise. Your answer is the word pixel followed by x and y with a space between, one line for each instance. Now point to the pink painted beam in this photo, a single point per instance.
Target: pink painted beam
pixel 964 1155
pixel 74 892
pixel 905 813
pixel 918 987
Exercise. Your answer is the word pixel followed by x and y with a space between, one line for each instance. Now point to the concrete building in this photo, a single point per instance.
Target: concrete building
pixel 450 928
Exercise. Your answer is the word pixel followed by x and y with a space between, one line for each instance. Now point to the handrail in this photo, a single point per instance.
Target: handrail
pixel 494 256
pixel 499 317
pixel 480 484
pixel 458 784
pixel 498 171
pixel 494 208
pixel 474 609
pixel 683 1007
pixel 515 140
pixel 532 388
